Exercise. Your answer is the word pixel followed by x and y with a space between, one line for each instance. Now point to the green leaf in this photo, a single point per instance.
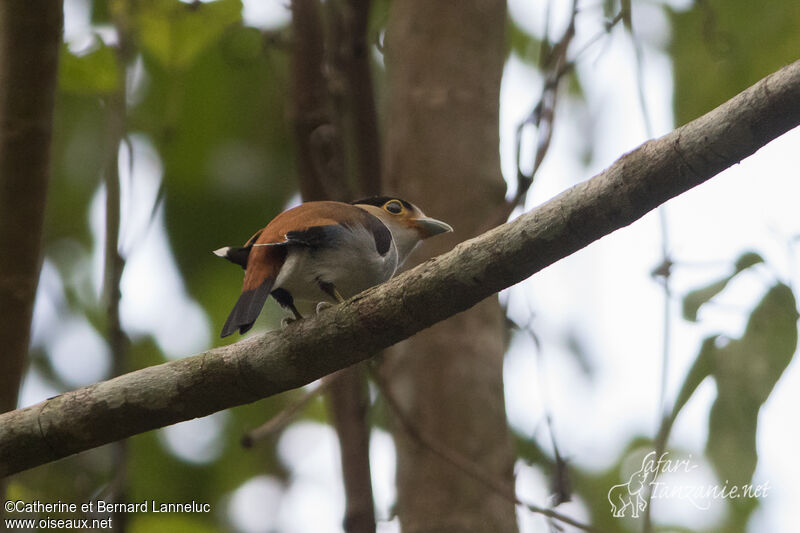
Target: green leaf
pixel 720 47
pixel 627 14
pixel 170 523
pixel 696 298
pixel 609 8
pixel 378 16
pixel 243 45
pixel 176 33
pixel 522 44
pixel 701 369
pixel 79 151
pixel 746 371
pixel 746 260
pixel 94 72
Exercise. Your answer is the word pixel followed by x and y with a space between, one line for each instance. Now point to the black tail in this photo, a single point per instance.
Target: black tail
pixel 235 255
pixel 247 309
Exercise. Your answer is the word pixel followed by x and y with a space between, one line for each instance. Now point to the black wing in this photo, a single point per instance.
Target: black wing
pixel 321 236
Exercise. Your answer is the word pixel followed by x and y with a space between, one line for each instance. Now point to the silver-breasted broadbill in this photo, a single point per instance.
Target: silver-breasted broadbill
pixel 325 252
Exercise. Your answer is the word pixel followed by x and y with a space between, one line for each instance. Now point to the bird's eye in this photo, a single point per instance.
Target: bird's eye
pixel 394 207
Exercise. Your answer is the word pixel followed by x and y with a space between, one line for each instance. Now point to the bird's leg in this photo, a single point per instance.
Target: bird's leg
pixel 330 290
pixel 287 302
pixel 295 312
pixel 285 321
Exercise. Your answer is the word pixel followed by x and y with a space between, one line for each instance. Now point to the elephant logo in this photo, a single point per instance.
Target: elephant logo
pixel 629 494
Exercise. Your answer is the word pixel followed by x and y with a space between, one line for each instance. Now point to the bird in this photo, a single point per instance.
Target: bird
pixel 323 252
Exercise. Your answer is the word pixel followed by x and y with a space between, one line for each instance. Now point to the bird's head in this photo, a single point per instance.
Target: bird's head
pixel 407 222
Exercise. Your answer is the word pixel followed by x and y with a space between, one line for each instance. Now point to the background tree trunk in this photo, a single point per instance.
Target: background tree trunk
pixel 320 115
pixel 444 63
pixel 30 33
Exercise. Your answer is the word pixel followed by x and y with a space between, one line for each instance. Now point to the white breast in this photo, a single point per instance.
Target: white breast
pixel 351 264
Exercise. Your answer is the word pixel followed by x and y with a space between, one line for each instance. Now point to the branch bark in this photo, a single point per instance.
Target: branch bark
pixel 268 364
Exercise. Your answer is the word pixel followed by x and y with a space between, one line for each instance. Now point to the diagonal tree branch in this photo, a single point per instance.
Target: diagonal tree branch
pixel 265 365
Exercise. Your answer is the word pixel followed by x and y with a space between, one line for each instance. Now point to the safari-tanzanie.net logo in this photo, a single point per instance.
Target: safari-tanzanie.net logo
pixel 633 496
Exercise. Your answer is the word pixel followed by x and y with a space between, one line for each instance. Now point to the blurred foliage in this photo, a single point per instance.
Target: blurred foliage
pixel 696 298
pixel 745 371
pixel 721 47
pixel 209 94
pixel 171 523
pixel 522 44
pixel 175 34
pixel 94 71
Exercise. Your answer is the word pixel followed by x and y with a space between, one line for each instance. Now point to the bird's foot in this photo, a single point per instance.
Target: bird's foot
pixel 322 306
pixel 331 290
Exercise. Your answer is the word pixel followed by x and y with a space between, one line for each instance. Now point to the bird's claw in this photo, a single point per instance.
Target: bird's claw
pixel 323 306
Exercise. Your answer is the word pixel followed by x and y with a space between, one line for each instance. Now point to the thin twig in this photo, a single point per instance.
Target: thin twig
pixel 560 482
pixel 664 275
pixel 283 418
pixel 556 65
pixel 114 264
pixel 463 463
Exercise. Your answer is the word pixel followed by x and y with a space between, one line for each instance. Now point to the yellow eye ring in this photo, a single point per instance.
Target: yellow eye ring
pixel 394 207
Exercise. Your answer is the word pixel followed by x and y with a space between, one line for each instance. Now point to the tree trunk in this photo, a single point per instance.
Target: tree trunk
pixel 444 62
pixel 323 144
pixel 30 33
